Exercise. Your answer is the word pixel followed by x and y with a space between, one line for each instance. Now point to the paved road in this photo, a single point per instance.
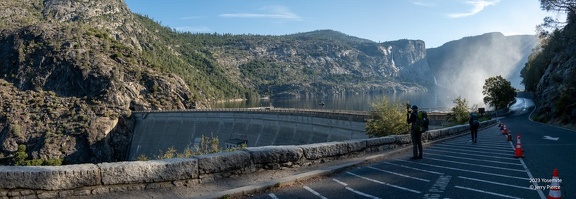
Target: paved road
pixel 457 168
pixel 544 154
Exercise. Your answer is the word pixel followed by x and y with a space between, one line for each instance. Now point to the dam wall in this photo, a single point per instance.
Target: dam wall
pixel 159 131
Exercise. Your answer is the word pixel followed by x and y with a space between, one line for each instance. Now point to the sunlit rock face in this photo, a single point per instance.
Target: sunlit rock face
pixel 327 62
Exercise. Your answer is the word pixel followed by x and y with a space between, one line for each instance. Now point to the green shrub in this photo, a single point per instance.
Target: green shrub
pixel 460 112
pixel 20 156
pixel 207 145
pixel 543 118
pixel 16 130
pixel 142 157
pixel 34 162
pixel 44 162
pixel 387 118
pixel 170 153
pixel 53 162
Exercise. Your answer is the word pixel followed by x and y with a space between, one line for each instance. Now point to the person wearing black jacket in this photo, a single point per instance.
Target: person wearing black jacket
pixel 415 134
pixel 473 127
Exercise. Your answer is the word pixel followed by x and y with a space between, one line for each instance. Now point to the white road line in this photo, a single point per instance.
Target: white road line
pixel 362 193
pixel 529 174
pixel 273 196
pixel 485 140
pixel 467 148
pixel 478 165
pixel 481 142
pixel 476 147
pixel 497 183
pixel 355 191
pixel 470 150
pixel 487 192
pixel 493 174
pixel 314 192
pixel 383 183
pixel 413 168
pixel 468 154
pixel 434 154
pixel 399 174
pixel 338 181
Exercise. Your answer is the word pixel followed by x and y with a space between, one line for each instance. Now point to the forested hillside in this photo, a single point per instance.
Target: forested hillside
pixel 322 62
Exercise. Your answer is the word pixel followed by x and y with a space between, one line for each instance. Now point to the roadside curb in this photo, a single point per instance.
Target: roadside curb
pixel 286 181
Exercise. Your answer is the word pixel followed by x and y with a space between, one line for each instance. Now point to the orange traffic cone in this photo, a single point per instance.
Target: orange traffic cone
pixel 509 137
pixel 505 131
pixel 518 153
pixel 555 186
pixel 502 126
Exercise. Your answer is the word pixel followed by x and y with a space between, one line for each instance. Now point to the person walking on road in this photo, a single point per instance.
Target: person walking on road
pixel 474 124
pixel 415 134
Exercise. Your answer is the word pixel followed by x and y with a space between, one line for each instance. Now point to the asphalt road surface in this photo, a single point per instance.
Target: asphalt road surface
pixel 458 168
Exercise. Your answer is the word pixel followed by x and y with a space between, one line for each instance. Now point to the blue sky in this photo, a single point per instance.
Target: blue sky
pixel 433 21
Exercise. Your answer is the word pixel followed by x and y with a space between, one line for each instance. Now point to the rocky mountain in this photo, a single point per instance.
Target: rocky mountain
pixel 550 73
pixel 326 62
pixel 71 73
pixel 463 65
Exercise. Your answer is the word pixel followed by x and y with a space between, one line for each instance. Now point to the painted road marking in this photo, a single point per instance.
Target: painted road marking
pixel 434 154
pixel 476 146
pixel 273 196
pixel 399 174
pixel 338 181
pixel 550 138
pixel 478 165
pixel 413 168
pixel 362 193
pixel 314 192
pixel 529 174
pixel 439 187
pixel 485 143
pixel 471 150
pixel 466 170
pixel 383 183
pixel 487 192
pixel 468 154
pixel 496 183
pixel 355 191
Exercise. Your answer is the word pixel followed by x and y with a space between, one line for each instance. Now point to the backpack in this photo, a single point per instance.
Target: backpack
pixel 422 121
pixel 475 121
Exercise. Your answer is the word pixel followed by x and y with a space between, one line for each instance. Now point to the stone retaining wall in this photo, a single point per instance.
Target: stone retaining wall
pixel 92 179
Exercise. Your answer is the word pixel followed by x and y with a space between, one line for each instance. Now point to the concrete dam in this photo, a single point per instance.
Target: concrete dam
pixel 160 130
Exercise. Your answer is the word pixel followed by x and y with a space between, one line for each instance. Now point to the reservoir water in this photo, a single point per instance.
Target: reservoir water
pixel 430 101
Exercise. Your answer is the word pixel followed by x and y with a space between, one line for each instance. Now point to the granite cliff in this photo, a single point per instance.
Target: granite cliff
pixel 71 73
pixel 326 62
pixel 549 75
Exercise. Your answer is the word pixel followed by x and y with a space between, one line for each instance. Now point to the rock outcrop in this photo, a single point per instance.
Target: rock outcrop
pixel 555 91
pixel 326 62
pixel 70 77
